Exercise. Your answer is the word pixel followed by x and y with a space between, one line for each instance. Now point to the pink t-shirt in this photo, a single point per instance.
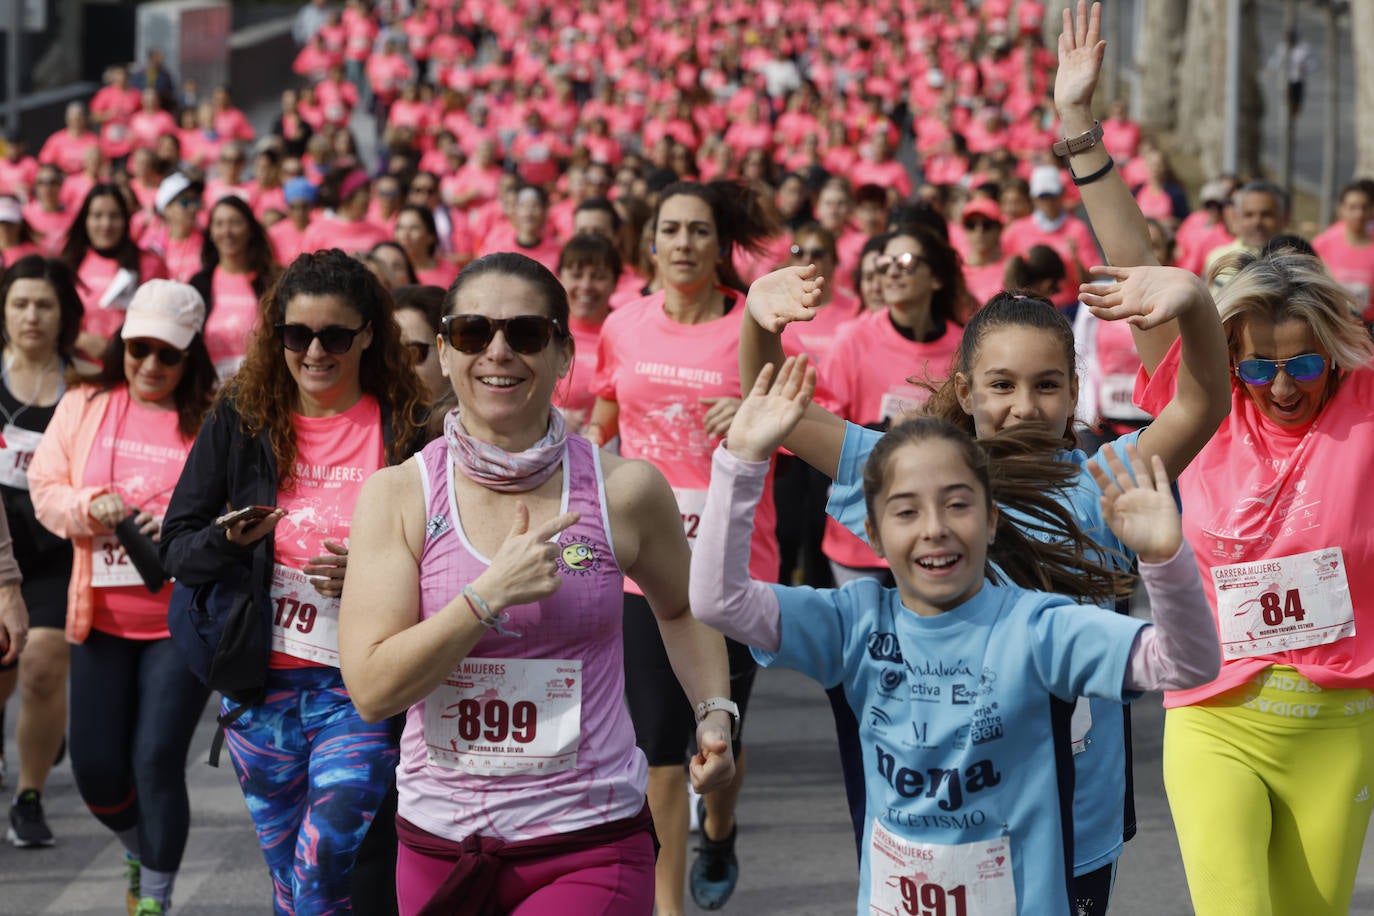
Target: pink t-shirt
pixel 866 382
pixel 96 277
pixel 182 256
pixel 1258 493
pixel 817 337
pixel 1072 236
pixel 334 456
pixel 65 151
pixel 574 394
pixel 442 274
pixel 349 235
pixel 658 371
pixel 52 227
pixel 986 281
pixel 1352 267
pixel 520 776
pixel 138 454
pixel 232 320
pixel 287 241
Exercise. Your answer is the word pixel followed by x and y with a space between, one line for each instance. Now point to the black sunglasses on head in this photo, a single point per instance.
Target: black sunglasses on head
pixel 142 349
pixel 527 334
pixel 336 340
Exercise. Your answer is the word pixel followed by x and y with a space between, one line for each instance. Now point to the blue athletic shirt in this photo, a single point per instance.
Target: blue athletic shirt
pixel 1099 792
pixel 963 717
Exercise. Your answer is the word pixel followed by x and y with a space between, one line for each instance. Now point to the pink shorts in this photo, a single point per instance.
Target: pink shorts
pixel 616 879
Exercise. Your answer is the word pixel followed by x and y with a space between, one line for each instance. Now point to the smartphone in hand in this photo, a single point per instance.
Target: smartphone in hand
pixel 250 514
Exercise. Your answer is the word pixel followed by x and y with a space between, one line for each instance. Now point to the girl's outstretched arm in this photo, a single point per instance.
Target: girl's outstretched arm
pixel 721 592
pixel 1173 302
pixel 774 301
pixel 1181 650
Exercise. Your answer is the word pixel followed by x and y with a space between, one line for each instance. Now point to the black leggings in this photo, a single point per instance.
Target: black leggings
pixel 664 721
pixel 134 709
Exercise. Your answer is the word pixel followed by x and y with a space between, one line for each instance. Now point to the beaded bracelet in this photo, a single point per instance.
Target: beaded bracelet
pixel 484 616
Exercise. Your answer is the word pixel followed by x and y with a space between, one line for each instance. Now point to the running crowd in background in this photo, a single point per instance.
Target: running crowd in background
pixel 536 333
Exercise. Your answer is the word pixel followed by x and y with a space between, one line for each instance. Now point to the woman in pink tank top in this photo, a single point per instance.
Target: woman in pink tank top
pixel 488 610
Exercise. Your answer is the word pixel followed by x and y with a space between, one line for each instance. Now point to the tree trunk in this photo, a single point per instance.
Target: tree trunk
pixel 1362 23
pixel 1161 45
pixel 1201 81
pixel 1202 88
pixel 62 64
pixel 1251 128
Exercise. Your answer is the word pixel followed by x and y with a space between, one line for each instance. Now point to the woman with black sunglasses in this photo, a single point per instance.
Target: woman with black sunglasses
pixel 667 382
pixel 325 397
pixel 490 613
pixel 101 476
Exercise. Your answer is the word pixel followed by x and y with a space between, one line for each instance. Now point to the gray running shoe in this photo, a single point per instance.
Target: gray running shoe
pixel 28 828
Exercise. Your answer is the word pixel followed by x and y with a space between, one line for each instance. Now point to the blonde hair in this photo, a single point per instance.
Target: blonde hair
pixel 1287 285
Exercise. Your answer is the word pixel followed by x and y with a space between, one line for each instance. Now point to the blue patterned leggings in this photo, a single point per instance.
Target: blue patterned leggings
pixel 313 774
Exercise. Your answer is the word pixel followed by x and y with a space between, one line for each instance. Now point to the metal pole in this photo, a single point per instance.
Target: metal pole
pixel 1230 153
pixel 13 31
pixel 1331 135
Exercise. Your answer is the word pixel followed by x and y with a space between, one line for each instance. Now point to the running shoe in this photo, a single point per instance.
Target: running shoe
pixel 716 870
pixel 28 828
pixel 148 907
pixel 133 870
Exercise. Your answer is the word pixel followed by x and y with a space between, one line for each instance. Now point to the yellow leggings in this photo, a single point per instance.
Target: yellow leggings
pixel 1270 786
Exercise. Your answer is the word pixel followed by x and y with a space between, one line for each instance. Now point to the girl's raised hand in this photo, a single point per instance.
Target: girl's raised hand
pixel 1140 509
pixel 1080 56
pixel 1144 296
pixel 776 300
pixel 772 409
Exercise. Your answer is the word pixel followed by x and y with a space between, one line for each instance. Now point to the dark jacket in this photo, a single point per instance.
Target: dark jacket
pixel 225 468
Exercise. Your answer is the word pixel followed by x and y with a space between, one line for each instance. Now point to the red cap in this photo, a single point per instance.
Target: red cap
pixel 984 207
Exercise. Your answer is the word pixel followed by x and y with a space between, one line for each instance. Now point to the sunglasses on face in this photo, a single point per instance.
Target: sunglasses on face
pixel 420 349
pixel 140 350
pixel 810 254
pixel 335 340
pixel 422 189
pixel 981 225
pixel 1302 368
pixel 527 334
pixel 904 263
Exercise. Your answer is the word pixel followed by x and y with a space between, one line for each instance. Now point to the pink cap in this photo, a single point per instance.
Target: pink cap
pixel 984 207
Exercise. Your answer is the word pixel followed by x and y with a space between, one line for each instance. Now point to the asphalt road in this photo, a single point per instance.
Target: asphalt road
pixel 795 847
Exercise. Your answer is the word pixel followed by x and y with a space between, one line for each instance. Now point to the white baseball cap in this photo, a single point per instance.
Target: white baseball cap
pixel 167 311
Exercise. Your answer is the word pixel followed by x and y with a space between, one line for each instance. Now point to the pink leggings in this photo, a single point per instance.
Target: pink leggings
pixel 616 879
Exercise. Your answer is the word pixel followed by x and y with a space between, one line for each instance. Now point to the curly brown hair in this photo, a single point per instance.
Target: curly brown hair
pixel 263 391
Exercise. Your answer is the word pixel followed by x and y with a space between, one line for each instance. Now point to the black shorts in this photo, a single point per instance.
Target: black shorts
pixel 665 723
pixel 45 595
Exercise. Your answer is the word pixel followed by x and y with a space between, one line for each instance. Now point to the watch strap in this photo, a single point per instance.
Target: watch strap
pixel 1084 141
pixel 708 706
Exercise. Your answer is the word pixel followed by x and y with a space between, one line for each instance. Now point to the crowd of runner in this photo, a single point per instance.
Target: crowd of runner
pixel 659 343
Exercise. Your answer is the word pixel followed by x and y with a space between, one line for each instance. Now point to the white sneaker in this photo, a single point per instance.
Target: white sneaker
pixel 692 806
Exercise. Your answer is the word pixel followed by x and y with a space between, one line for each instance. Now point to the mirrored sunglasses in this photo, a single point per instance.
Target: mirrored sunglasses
pixel 904 263
pixel 1302 368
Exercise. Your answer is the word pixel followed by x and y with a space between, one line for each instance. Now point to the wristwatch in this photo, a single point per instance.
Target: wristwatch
pixel 706 707
pixel 1084 141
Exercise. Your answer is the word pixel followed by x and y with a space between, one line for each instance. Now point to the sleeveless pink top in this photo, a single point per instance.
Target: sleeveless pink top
pixel 528 736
